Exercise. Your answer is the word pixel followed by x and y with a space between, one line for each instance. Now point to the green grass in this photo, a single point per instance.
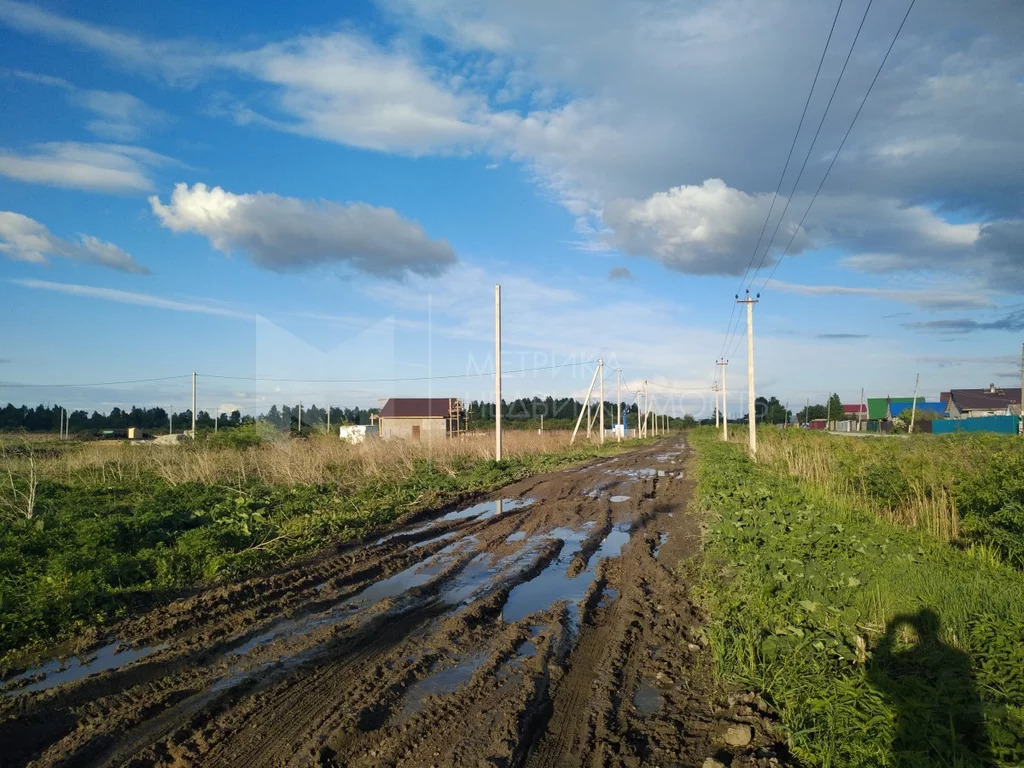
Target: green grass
pixel 878 646
pixel 98 547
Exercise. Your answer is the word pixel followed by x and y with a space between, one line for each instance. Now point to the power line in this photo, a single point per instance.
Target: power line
pixel 842 143
pixel 792 146
pixel 410 378
pixel 13 385
pixel 732 313
pixel 814 141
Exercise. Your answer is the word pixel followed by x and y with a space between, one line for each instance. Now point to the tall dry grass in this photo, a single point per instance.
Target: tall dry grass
pixel 283 461
pixel 907 481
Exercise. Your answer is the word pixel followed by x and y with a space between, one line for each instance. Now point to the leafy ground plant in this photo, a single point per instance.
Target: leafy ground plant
pixel 879 646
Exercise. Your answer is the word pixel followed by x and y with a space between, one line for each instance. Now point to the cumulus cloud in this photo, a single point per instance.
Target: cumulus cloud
pixel 286 233
pixel 74 165
pixel 706 229
pixel 25 239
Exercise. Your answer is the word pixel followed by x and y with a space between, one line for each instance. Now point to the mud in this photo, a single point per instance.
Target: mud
pixel 545 627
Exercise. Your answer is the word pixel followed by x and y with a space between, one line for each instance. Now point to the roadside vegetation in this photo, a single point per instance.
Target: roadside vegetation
pixel 90 532
pixel 871 591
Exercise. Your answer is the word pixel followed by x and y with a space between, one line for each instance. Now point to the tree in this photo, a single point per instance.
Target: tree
pixel 834 407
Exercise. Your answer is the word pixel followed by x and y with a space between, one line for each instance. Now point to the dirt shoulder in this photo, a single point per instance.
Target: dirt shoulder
pixel 547 626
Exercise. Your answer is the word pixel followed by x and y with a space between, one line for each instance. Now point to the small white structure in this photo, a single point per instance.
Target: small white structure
pixel 356 433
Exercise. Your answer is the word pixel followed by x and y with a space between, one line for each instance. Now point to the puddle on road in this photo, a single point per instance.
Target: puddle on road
pixel 58 672
pixel 481 573
pixel 517 536
pixel 618 499
pixel 483 510
pixel 554 583
pixel 647 700
pixel 486 509
pixel 415 576
pixel 662 538
pixel 440 683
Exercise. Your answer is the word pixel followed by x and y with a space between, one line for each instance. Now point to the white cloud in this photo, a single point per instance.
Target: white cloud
pixel 286 233
pixel 706 229
pixel 74 165
pixel 133 297
pixel 118 116
pixel 343 88
pixel 25 239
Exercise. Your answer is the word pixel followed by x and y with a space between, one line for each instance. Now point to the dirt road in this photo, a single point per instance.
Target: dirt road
pixel 544 627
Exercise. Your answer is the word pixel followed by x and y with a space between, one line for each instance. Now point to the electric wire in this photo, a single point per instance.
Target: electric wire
pixel 410 378
pixel 842 143
pixel 814 141
pixel 14 385
pixel 729 330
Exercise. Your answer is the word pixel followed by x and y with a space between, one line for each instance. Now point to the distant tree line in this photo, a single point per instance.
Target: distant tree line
pixel 526 412
pixel 47 418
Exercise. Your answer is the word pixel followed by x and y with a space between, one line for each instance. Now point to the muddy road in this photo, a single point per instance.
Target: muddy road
pixel 545 626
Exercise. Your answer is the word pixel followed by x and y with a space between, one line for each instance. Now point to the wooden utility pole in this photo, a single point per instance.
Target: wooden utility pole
pixel 913 405
pixel 618 404
pixel 724 364
pixel 497 373
pixel 600 426
pixel 193 405
pixel 751 416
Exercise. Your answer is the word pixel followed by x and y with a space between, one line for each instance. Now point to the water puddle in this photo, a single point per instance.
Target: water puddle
pixel 59 671
pixel 618 499
pixel 662 538
pixel 526 649
pixel 517 536
pixel 412 577
pixel 647 700
pixel 554 583
pixel 486 509
pixel 440 683
pixel 482 573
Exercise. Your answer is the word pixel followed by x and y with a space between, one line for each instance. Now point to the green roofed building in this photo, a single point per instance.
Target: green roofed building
pixel 881 408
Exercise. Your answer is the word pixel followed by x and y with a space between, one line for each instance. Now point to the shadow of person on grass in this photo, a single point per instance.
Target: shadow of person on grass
pixel 930 686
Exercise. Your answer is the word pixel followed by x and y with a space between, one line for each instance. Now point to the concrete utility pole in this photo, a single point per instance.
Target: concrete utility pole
pixel 725 407
pixel 913 405
pixel 600 425
pixel 193 405
pixel 300 417
pixel 216 419
pixel 647 406
pixel 579 419
pixel 618 404
pixel 497 372
pixel 751 418
pixel 714 388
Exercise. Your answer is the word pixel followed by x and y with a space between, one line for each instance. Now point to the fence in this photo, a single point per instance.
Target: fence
pixel 1003 425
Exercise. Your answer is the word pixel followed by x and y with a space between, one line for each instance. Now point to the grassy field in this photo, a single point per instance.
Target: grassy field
pixel 89 532
pixel 870 590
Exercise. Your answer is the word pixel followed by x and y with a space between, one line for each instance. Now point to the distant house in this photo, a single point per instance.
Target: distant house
pixel 993 401
pixel 858 411
pixel 415 418
pixel 903 410
pixel 887 408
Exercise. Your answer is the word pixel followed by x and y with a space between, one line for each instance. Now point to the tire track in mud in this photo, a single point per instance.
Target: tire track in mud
pixel 534 629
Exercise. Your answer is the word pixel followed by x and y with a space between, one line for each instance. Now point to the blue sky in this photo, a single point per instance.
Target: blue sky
pixel 254 191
